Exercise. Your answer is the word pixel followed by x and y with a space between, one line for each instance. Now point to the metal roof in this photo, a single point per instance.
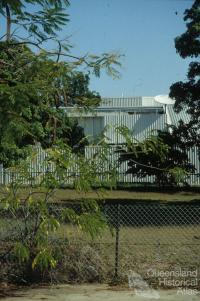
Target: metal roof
pixel 129 102
pixel 121 102
pixel 130 105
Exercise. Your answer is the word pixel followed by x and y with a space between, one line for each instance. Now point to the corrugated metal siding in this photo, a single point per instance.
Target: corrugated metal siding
pixel 112 161
pixel 193 155
pixel 141 125
pixel 93 126
pixel 175 117
pixel 122 177
pixel 38 167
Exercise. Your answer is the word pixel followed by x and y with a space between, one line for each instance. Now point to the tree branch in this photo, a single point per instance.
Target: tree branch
pixel 8 23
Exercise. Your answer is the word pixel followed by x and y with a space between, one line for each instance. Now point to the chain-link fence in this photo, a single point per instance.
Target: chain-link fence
pixel 153 238
pixel 145 237
pixel 150 238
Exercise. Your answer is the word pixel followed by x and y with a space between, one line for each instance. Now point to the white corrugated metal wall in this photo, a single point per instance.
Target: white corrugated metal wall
pixel 122 177
pixel 38 167
pixel 141 125
pixel 93 126
pixel 142 115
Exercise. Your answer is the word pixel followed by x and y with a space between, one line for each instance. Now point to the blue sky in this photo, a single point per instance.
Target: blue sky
pixel 142 30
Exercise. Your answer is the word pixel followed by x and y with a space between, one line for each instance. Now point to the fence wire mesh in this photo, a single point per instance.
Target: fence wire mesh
pixel 142 237
pixel 155 237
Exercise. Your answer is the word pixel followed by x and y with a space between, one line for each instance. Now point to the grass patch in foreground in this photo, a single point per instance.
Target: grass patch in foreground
pixel 70 194
pixel 123 195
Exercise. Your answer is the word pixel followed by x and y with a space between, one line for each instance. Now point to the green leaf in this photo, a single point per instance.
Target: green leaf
pixel 21 252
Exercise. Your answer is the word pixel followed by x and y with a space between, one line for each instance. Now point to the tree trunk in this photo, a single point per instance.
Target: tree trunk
pixel 8 23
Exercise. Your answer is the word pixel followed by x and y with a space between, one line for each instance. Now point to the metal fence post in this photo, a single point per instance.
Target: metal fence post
pixel 2 174
pixel 117 229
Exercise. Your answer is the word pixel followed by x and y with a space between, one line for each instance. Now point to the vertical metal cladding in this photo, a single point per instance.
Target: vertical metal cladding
pixel 93 126
pixel 193 153
pixel 142 115
pixel 123 177
pixel 176 117
pixel 141 125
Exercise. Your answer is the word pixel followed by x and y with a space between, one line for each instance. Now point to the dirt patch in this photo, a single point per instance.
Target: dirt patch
pixel 96 293
pixel 8 290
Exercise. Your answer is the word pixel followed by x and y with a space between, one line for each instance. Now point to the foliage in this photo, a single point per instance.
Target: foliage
pixel 35 221
pixel 158 155
pixel 32 90
pixel 41 20
pixel 34 86
pixel 46 20
pixel 187 94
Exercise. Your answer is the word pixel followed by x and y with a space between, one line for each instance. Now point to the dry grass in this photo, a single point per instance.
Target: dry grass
pixel 70 194
pixel 122 195
pixel 163 248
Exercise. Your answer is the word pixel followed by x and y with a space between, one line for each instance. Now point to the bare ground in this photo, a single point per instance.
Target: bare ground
pixel 99 293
